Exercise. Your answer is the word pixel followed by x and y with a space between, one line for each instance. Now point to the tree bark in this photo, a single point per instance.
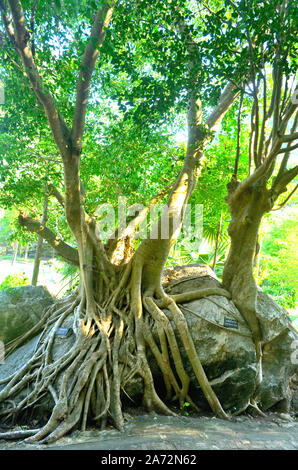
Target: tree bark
pixel 38 252
pixel 217 242
pixel 15 252
pixel 26 253
pixel 37 259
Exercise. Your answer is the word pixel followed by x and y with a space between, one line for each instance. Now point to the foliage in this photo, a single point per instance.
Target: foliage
pixel 138 98
pixel 14 280
pixel 279 260
pixel 284 294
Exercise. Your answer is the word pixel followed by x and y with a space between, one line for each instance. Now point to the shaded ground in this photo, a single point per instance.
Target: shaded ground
pixel 152 432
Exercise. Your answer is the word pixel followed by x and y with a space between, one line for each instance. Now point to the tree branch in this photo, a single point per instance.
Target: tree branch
pixel 97 36
pixel 284 180
pixel 67 252
pixel 54 192
pixel 7 23
pixel 21 34
pixel 287 149
pixel 280 206
pixel 238 135
pixel 227 98
pixel 267 166
pixel 289 137
pixel 286 157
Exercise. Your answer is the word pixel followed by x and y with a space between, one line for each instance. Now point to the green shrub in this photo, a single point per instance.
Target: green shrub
pixel 282 293
pixel 14 280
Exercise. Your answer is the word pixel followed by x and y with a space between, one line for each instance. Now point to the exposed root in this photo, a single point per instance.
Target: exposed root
pixel 199 294
pixel 251 403
pixel 110 347
pixel 22 434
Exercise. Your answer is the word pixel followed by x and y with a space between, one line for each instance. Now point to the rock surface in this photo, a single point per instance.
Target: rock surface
pixel 223 343
pixel 164 433
pixel 227 356
pixel 20 309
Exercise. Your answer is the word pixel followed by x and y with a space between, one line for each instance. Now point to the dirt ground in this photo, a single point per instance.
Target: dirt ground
pixel 153 432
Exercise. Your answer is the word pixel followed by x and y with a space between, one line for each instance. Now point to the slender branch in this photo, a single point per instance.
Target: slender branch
pixel 256 123
pixel 277 99
pixel 67 252
pixel 227 98
pixel 280 206
pixel 7 23
pixel 286 157
pixel 32 26
pixel 22 35
pixel 238 136
pixel 280 186
pixel 289 137
pixel 265 118
pixel 287 149
pixel 97 36
pixel 54 192
pixel 266 168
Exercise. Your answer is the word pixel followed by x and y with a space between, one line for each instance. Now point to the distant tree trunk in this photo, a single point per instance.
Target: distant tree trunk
pixel 40 243
pixel 15 252
pixel 26 253
pixel 37 261
pixel 217 242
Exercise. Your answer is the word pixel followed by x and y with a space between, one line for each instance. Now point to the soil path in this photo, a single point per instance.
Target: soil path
pixel 152 432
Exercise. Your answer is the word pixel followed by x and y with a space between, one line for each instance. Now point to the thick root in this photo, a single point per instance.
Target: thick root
pixel 110 347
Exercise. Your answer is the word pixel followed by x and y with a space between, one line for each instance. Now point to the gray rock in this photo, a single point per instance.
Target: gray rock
pixel 227 353
pixel 20 309
pixel 228 357
pixel 279 336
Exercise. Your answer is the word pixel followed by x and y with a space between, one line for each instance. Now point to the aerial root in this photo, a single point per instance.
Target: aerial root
pixel 21 434
pixel 164 364
pixel 189 347
pixel 110 348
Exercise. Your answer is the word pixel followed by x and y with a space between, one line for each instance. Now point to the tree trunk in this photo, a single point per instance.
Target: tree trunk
pixel 258 259
pixel 26 253
pixel 38 252
pixel 246 211
pixel 15 252
pixel 37 259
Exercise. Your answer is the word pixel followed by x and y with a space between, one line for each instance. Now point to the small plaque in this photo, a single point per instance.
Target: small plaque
pixel 63 331
pixel 230 323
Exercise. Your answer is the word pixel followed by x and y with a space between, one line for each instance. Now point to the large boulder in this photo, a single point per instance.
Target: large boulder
pixel 222 340
pixel 225 347
pixel 20 309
